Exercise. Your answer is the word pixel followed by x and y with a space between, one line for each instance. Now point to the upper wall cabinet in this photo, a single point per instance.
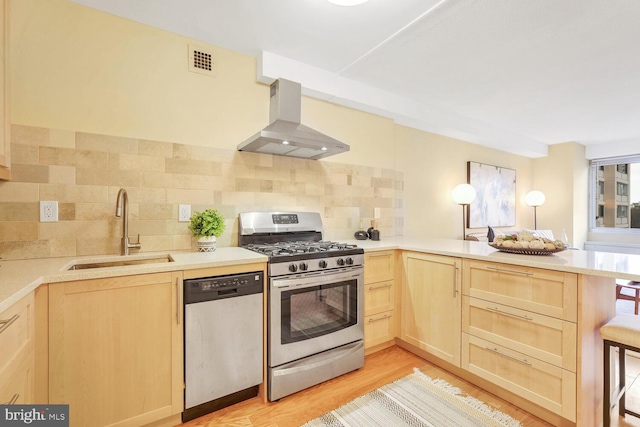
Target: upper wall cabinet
pixel 5 118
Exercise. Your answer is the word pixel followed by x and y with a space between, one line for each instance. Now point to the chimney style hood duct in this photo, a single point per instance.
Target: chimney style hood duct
pixel 285 136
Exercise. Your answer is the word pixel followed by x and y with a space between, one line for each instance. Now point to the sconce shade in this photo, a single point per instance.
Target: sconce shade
pixel 464 194
pixel 534 198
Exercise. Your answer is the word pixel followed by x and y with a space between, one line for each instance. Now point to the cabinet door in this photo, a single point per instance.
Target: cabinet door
pixel 5 125
pixel 431 304
pixel 16 352
pixel 115 353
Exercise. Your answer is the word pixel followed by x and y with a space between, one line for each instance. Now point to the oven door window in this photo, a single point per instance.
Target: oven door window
pixel 318 310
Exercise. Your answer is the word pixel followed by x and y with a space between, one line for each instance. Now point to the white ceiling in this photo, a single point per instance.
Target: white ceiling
pixel 516 75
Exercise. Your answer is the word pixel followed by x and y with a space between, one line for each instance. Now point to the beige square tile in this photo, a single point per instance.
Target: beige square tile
pixel 154 243
pixel 174 227
pixel 71 157
pixel 25 154
pixel 62 247
pixel 97 246
pixel 62 174
pixel 190 197
pixel 156 179
pixel 74 193
pixel 24 249
pixel 95 211
pixel 196 182
pixel 194 167
pixel 157 211
pixel 238 171
pixel 19 192
pixel 18 230
pixel 147 227
pixel 155 148
pixel 29 173
pixel 29 135
pixel 112 144
pixel 20 212
pixel 181 242
pixel 62 138
pixel 136 162
pixel 244 184
pixel 66 211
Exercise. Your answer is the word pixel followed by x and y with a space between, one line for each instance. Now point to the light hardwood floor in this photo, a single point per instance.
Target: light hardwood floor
pixel 380 368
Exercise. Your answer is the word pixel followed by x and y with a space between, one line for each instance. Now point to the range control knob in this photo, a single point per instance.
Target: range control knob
pixel 293 268
pixel 322 264
pixel 340 261
pixel 303 266
pixel 349 261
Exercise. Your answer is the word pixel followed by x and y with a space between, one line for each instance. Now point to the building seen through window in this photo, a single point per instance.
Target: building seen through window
pixel 615 192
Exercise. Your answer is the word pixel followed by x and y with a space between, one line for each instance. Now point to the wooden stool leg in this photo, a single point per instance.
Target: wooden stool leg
pixel 637 300
pixel 606 404
pixel 621 368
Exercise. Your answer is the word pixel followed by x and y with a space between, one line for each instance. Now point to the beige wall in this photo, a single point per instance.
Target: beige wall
pixel 81 74
pixel 563 177
pixel 433 165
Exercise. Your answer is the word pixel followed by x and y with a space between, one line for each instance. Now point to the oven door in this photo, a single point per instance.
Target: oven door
pixel 314 312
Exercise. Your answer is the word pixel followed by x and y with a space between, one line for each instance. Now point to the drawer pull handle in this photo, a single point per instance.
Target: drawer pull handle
pixel 526 273
pixel 373 288
pixel 378 255
pixel 386 316
pixel 497 310
pixel 6 323
pixel 455 279
pixel 13 400
pixel 523 361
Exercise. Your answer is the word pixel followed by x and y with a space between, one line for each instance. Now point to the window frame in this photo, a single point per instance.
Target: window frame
pixel 593 188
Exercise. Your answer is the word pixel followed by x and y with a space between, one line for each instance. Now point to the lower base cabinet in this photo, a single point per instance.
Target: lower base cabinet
pixel 115 352
pixel 379 328
pixel 546 385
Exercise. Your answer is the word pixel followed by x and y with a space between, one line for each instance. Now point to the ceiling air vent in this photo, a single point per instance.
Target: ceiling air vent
pixel 201 60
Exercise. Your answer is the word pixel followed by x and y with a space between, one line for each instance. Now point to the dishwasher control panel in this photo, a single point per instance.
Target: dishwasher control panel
pixel 219 287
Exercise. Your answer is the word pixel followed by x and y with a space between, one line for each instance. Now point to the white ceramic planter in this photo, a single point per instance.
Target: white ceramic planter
pixel 207 244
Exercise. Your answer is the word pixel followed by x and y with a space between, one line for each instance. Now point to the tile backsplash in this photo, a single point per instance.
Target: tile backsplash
pixel 83 173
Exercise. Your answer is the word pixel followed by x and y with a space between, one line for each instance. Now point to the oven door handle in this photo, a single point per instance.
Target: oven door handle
pixel 306 367
pixel 315 279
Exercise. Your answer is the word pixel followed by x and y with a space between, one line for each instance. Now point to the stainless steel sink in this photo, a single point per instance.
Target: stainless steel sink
pixel 121 262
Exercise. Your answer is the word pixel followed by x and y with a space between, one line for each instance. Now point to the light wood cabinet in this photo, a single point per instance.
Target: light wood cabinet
pixel 115 349
pixel 431 304
pixel 16 342
pixel 379 299
pixel 520 332
pixel 5 117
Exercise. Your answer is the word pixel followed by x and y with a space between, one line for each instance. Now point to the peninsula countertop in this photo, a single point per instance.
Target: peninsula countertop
pixel 603 264
pixel 19 277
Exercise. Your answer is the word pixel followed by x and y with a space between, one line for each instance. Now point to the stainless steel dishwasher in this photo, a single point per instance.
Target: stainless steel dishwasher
pixel 223 341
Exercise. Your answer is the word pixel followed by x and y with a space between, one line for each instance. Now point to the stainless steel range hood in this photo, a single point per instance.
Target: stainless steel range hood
pixel 285 136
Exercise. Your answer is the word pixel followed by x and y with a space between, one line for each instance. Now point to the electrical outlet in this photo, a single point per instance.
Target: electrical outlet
pixel 48 211
pixel 184 213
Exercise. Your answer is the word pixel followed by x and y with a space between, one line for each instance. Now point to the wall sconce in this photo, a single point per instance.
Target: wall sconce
pixel 534 198
pixel 463 195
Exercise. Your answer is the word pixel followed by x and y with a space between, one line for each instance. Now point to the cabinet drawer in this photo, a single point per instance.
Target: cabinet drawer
pixel 378 297
pixel 379 328
pixel 553 293
pixel 546 338
pixel 544 384
pixel 379 266
pixel 16 336
pixel 17 388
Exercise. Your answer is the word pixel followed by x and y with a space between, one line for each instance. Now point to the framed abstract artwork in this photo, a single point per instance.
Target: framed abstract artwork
pixel 495 203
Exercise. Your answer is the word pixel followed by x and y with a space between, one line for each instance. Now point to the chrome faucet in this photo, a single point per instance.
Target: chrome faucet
pixel 123 200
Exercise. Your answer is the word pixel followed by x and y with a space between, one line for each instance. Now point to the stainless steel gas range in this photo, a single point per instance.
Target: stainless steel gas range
pixel 316 299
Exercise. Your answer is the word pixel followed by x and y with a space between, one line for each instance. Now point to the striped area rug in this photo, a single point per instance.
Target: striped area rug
pixel 415 400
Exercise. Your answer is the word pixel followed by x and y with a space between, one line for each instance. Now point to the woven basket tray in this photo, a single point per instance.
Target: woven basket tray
pixel 526 251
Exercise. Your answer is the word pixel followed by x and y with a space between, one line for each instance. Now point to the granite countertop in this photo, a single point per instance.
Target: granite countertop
pixel 604 264
pixel 19 277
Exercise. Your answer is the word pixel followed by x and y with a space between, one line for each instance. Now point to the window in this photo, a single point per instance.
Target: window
pixel 615 193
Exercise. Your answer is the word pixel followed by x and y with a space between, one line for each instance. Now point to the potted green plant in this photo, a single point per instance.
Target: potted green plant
pixel 207 226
